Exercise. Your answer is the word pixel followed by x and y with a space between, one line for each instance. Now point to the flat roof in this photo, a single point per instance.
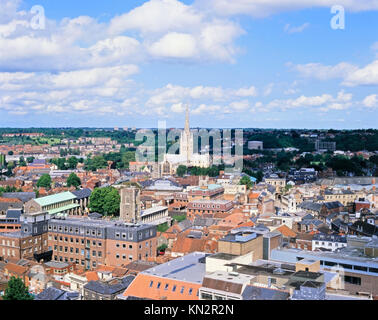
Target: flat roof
pixel 189 268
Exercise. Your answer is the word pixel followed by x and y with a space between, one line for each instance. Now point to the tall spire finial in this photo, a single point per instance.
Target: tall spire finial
pixel 187 127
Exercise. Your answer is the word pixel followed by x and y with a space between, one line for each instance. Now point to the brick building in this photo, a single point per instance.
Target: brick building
pixel 208 208
pixel 83 241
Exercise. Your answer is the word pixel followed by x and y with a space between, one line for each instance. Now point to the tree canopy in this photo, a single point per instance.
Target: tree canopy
pixel 73 180
pixel 44 181
pixel 105 201
pixel 16 290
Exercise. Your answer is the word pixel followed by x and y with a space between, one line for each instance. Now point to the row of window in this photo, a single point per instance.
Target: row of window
pixel 77 261
pixel 76 240
pixel 77 251
pixel 75 230
pixel 174 288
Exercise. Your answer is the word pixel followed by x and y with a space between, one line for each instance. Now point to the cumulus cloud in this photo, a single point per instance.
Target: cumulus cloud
pixel 350 74
pixel 324 102
pixel 171 94
pixel 367 75
pixel 323 72
pixel 371 101
pixel 158 29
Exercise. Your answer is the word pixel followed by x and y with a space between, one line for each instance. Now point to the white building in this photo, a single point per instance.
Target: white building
pixel 186 156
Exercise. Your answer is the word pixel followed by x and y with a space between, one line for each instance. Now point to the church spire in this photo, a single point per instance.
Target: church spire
pixel 187 127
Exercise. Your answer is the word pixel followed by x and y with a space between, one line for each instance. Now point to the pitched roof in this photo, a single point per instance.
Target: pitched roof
pixel 286 231
pixel 60 197
pixel 109 287
pixel 82 193
pixel 52 293
pixel 16 269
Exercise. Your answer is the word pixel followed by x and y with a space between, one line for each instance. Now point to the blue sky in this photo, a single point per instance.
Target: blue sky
pixel 240 63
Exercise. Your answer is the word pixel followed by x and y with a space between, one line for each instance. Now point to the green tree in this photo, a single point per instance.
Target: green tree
pixel 73 180
pixel 105 201
pixel 16 290
pixel 181 170
pixel 72 163
pixel 22 162
pixel 44 181
pixel 127 157
pixel 246 181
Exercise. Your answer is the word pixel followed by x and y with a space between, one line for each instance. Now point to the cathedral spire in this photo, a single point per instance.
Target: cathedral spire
pixel 187 127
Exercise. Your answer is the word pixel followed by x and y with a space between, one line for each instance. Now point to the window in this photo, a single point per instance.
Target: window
pixel 117 245
pixel 360 268
pixel 182 290
pixel 352 280
pixel 94 253
pixel 174 288
pixel 151 284
pixel 117 256
pixel 100 253
pixel 190 291
pixel 166 286
pixel 158 285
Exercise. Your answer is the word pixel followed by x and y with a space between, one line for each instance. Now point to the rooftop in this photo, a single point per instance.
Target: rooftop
pixel 59 197
pixel 190 268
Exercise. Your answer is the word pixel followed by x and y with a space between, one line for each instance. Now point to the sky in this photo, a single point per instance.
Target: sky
pixel 236 64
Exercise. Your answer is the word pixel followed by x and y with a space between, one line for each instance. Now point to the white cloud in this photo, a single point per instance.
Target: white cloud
pixel 157 16
pixel 367 75
pixel 371 101
pixel 352 75
pixel 172 94
pixel 178 108
pixel 324 102
pixel 174 45
pixel 206 109
pixel 246 92
pixel 240 105
pixel 322 72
